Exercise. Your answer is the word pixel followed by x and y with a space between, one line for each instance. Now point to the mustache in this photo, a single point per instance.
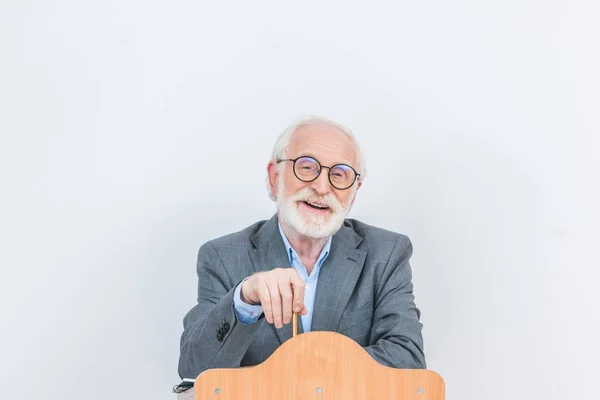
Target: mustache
pixel 309 195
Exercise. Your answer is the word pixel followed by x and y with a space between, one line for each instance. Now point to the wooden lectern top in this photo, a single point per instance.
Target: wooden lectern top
pixel 319 366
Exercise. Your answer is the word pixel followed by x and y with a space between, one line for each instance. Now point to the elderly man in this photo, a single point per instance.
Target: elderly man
pixel 338 274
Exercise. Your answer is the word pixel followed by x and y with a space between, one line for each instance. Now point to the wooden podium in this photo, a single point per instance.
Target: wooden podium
pixel 318 366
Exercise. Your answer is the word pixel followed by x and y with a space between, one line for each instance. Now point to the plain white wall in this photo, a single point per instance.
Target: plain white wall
pixel 133 131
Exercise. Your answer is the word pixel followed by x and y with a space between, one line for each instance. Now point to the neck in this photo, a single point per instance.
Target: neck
pixel 307 248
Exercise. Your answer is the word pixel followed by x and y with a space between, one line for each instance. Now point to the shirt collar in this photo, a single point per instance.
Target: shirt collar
pixel 292 253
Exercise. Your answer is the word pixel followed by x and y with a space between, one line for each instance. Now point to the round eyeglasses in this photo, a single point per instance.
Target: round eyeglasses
pixel 307 169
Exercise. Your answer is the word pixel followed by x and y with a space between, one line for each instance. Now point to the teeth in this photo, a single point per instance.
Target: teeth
pixel 316 205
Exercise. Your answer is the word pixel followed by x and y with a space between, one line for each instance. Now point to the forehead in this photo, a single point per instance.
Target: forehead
pixel 326 143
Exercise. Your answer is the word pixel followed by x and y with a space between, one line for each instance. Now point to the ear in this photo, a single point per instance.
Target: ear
pixel 273 174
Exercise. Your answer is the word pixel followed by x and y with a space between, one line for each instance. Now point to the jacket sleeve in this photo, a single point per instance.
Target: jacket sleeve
pixel 246 313
pixel 213 336
pixel 396 335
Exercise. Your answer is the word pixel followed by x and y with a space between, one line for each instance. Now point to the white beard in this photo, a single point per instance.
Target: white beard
pixel 313 226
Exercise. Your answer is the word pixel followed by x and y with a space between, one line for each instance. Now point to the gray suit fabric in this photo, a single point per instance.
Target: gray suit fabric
pixel 364 291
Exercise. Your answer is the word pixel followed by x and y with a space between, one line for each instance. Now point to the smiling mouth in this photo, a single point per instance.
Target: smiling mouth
pixel 316 206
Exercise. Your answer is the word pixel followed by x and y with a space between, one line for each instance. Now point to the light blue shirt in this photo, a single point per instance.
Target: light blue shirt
pixel 249 314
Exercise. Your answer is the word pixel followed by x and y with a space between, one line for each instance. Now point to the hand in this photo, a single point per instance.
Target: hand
pixel 276 290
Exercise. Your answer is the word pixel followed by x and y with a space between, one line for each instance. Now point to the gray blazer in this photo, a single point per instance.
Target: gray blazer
pixel 365 292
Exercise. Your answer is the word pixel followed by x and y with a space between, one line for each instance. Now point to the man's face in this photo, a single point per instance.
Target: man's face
pixel 314 209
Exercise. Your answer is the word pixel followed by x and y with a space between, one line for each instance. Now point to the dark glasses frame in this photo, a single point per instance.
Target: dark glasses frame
pixel 356 174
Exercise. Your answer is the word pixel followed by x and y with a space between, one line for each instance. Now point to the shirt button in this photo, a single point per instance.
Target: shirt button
pixel 255 314
pixel 307 286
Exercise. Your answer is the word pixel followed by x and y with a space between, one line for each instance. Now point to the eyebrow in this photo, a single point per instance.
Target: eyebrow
pixel 309 154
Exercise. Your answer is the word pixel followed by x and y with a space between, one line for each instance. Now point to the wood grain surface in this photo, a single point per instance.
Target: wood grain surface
pixel 319 365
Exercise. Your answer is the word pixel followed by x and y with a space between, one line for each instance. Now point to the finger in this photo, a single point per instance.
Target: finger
pixel 298 288
pixel 275 303
pixel 304 311
pixel 287 297
pixel 265 301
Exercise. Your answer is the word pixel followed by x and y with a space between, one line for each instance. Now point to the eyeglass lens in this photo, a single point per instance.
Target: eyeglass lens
pixel 307 169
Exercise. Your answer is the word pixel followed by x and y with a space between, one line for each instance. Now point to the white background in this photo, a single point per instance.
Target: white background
pixel 133 131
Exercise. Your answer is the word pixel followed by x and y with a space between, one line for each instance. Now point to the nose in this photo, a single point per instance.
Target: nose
pixel 321 185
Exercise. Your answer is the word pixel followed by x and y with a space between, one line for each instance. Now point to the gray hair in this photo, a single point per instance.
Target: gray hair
pixel 282 144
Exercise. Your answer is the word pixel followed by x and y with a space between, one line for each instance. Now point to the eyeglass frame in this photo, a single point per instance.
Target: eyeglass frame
pixel 356 174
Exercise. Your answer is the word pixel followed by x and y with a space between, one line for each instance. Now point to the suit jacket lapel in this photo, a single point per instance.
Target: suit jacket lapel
pixel 337 279
pixel 270 253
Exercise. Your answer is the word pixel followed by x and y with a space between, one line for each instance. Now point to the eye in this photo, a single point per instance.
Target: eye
pixel 341 171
